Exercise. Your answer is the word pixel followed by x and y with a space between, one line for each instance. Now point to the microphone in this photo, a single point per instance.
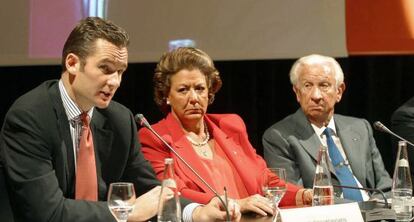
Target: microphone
pixel 366 189
pixel 140 119
pixel 381 127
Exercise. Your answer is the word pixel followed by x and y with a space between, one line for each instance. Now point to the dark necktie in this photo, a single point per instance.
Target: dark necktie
pixel 86 179
pixel 346 178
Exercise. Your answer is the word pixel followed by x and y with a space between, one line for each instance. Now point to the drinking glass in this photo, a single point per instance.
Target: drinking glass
pixel 121 200
pixel 274 188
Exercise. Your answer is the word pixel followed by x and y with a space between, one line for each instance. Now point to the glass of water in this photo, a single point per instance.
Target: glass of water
pixel 121 200
pixel 274 187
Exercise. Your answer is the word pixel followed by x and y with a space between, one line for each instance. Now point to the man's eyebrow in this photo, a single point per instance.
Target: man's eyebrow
pixel 114 62
pixel 108 60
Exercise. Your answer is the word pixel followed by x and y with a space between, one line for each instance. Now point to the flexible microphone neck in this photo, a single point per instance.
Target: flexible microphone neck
pixel 381 127
pixel 366 189
pixel 140 119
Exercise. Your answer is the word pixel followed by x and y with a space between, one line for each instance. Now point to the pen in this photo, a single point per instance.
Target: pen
pixel 227 204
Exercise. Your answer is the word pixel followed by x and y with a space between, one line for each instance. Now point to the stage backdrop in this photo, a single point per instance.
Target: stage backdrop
pixel 227 30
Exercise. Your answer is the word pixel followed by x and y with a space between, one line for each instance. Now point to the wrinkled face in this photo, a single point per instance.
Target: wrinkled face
pixel 188 96
pixel 317 92
pixel 96 83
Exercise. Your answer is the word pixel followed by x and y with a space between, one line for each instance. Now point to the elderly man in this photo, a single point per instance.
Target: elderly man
pixel 293 142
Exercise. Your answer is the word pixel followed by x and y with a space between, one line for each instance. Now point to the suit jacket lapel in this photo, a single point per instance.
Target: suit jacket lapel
pixel 66 140
pixel 102 139
pixel 308 138
pixel 184 148
pixel 351 145
pixel 230 144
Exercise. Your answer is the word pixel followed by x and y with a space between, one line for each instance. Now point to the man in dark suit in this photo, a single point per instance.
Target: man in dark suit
pixel 44 131
pixel 402 123
pixel 293 142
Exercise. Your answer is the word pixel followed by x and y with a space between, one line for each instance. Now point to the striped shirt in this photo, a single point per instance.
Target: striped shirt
pixel 73 113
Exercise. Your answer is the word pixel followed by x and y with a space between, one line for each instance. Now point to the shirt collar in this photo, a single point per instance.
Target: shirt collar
pixel 319 130
pixel 71 108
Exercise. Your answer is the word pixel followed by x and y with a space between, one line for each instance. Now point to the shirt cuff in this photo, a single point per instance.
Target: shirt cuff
pixel 188 212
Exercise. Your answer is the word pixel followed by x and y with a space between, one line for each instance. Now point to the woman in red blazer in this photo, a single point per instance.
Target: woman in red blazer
pixel 215 145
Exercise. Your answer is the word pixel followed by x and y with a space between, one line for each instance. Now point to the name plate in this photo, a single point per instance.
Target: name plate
pixel 348 212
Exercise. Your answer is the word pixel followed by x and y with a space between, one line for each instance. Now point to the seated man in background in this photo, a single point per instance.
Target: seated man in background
pixel 65 141
pixel 402 123
pixel 293 143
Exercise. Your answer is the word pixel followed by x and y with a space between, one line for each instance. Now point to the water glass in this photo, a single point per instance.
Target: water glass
pixel 121 200
pixel 274 187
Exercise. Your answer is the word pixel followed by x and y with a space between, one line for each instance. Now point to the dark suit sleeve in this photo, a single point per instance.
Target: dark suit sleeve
pixel 34 188
pixel 402 122
pixel 278 153
pixel 138 169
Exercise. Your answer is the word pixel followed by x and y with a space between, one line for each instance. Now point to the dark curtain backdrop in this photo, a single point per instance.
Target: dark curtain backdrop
pixel 259 91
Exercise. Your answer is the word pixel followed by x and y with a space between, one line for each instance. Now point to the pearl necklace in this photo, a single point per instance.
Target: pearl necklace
pixel 202 143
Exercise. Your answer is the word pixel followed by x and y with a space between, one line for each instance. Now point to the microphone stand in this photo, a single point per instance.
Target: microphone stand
pixel 140 119
pixel 381 127
pixel 366 189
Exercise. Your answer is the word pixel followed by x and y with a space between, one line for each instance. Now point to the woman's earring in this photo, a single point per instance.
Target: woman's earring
pixel 168 102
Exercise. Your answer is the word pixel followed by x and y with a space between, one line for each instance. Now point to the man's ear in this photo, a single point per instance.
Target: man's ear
pixel 340 91
pixel 72 63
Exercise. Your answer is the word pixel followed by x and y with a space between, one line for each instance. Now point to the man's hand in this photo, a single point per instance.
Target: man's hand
pixel 256 203
pixel 214 211
pixel 146 205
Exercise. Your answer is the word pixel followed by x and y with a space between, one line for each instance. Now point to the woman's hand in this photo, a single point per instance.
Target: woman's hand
pixel 146 205
pixel 304 197
pixel 215 211
pixel 256 203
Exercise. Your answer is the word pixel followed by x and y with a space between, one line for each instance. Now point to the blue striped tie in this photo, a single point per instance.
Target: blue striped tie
pixel 346 178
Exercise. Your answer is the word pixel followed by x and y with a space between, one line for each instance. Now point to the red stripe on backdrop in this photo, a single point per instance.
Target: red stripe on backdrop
pixel 380 27
pixel 50 23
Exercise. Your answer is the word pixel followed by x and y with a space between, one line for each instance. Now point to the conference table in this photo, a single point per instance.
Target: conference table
pixel 371 211
pixel 255 218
